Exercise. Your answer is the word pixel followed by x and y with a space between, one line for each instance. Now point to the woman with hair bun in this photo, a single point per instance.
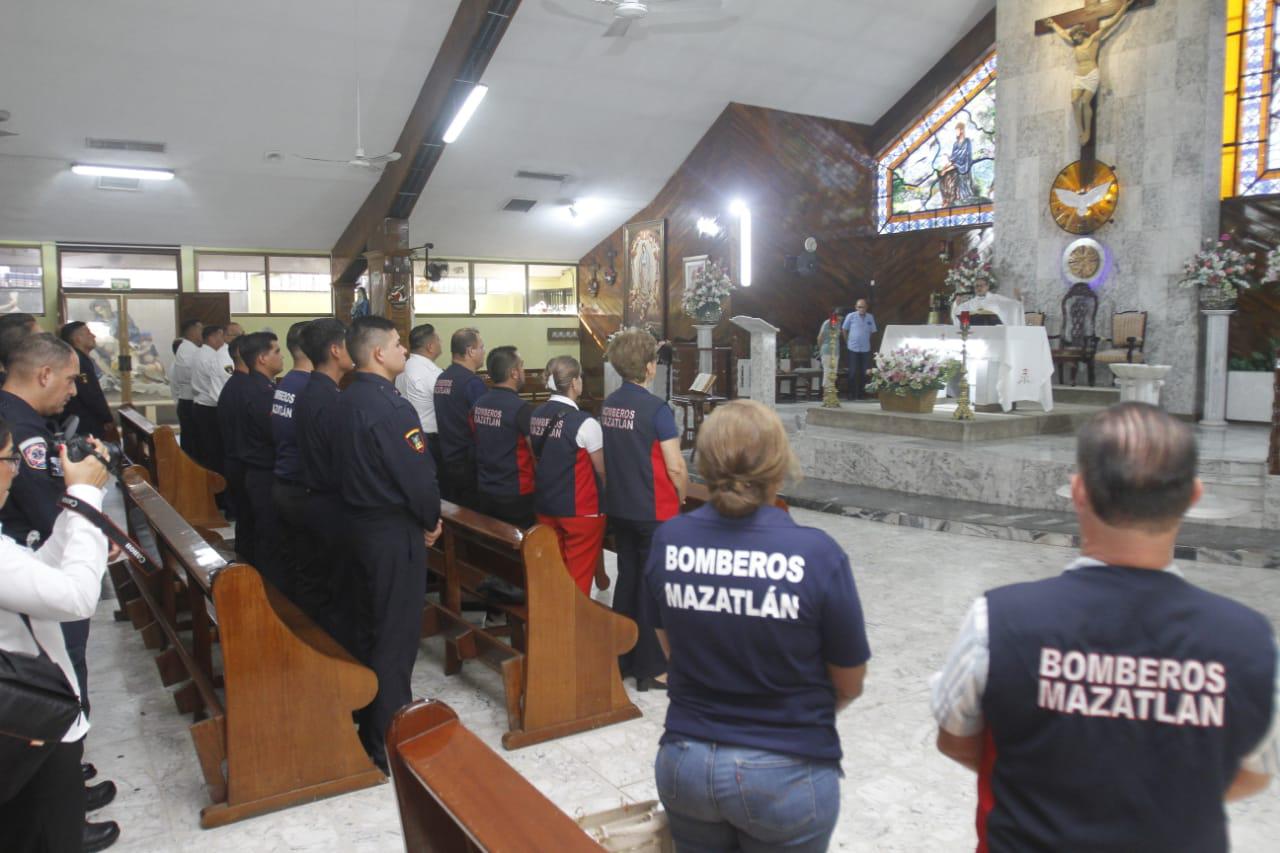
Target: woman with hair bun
pixel 569 474
pixel 763 631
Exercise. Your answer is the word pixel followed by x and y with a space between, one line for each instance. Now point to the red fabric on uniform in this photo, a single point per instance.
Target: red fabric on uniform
pixel 581 543
pixel 524 464
pixel 585 497
pixel 986 796
pixel 666 502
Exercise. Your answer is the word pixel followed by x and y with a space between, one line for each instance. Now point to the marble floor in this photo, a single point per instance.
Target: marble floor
pixel 898 794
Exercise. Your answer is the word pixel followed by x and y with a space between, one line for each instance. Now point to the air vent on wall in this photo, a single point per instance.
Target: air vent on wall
pixel 542 176
pixel 125 145
pixel 126 184
pixel 520 205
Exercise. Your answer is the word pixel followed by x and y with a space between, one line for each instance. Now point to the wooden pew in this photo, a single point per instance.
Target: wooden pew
pixel 188 487
pixel 280 732
pixel 560 668
pixel 456 794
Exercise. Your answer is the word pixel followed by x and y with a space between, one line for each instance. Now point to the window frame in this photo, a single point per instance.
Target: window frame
pixel 174 252
pixel 1251 33
pixel 471 286
pixel 266 277
pixel 44 301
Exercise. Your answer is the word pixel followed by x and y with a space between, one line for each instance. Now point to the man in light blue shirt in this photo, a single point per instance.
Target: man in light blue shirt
pixel 858 328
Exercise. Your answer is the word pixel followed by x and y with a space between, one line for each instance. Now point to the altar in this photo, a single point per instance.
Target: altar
pixel 1007 364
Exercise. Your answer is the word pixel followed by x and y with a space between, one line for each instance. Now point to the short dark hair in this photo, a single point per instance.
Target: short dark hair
pixel 1139 465
pixel 253 345
pixel 67 331
pixel 293 340
pixel 36 351
pixel 500 363
pixel 363 334
pixel 13 328
pixel 233 348
pixel 320 336
pixel 177 342
pixel 210 331
pixel 463 340
pixel 420 336
pixel 18 319
pixel 187 324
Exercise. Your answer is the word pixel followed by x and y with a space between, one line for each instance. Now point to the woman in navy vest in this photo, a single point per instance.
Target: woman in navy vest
pixel 570 470
pixel 646 485
pixel 763 628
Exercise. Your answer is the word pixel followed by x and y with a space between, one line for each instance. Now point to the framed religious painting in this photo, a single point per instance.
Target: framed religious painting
pixel 644 286
pixel 693 265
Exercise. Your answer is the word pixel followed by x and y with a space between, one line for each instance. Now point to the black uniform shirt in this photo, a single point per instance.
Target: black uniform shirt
pixel 382 452
pixel 230 402
pixel 33 497
pixel 89 404
pixel 257 446
pixel 313 419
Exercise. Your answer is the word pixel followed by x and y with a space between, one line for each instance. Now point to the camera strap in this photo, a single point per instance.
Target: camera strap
pixel 131 549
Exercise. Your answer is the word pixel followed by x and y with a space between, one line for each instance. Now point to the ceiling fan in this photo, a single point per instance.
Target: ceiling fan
pixel 4 116
pixel 360 159
pixel 624 13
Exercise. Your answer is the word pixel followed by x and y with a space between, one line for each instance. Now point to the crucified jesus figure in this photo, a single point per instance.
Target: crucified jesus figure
pixel 1085 46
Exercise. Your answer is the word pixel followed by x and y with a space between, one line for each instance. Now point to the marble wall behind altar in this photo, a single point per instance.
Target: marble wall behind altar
pixel 1159 124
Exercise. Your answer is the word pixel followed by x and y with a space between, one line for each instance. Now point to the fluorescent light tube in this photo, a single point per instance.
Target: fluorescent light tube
pixel 465 112
pixel 122 172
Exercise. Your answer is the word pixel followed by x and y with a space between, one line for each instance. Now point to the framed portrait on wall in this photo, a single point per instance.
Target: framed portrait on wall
pixel 644 287
pixel 693 265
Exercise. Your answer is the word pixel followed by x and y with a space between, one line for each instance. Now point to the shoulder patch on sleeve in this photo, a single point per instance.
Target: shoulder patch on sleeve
pixel 416 440
pixel 35 452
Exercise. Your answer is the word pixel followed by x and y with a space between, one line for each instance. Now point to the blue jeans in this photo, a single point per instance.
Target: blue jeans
pixel 721 797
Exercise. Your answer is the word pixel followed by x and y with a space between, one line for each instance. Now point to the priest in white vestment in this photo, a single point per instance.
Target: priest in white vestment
pixel 1008 310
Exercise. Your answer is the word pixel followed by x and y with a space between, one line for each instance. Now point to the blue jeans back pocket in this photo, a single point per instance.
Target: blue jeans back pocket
pixel 666 770
pixel 777 792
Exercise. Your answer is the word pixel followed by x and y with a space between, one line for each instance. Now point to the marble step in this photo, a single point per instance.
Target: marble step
pixel 1085 395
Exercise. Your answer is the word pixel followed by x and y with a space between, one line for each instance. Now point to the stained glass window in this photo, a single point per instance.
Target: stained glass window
pixel 941 172
pixel 1251 116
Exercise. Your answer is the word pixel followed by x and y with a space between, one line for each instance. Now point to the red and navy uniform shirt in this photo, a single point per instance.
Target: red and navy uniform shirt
pixel 457 390
pixel 638 487
pixel 504 462
pixel 564 476
pixel 1119 705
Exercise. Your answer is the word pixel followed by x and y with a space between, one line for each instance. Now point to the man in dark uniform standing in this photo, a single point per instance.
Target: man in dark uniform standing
pixel 256 447
pixel 393 503
pixel 1114 706
pixel 321 584
pixel 89 404
pixel 504 461
pixel 230 402
pixel 457 390
pixel 288 494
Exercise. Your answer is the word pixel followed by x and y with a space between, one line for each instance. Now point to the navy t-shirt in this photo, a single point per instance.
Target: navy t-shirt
pixel 283 428
pixel 754 609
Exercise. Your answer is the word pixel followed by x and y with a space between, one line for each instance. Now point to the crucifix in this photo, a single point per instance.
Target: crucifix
pixel 1084 30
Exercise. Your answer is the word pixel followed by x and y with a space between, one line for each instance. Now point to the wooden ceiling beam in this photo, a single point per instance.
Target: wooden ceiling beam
pixel 477 28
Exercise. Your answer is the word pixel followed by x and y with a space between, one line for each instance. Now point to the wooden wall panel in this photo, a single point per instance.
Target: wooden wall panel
pixel 1255 222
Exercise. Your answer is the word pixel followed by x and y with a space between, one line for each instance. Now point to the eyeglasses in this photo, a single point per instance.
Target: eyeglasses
pixel 15 462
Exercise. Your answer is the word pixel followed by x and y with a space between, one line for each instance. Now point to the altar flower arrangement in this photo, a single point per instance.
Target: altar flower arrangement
pixel 703 296
pixel 973 265
pixel 911 371
pixel 1219 272
pixel 1273 266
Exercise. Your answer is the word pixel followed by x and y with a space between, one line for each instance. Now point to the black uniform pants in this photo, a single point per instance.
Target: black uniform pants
pixel 187 428
pixel 631 597
pixel 390 561
pixel 47 815
pixel 293 546
pixel 257 487
pixel 208 438
pixel 324 586
pixel 458 482
pixel 517 509
pixel 76 636
pixel 246 531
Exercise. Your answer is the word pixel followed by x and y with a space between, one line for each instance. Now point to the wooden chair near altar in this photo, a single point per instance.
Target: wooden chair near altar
pixel 1034 318
pixel 1128 333
pixel 1077 343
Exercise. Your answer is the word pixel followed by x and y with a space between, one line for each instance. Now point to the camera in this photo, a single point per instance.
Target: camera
pixel 79 448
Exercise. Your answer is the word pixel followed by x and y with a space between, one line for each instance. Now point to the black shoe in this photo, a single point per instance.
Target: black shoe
pixel 99 795
pixel 88 770
pixel 644 685
pixel 100 836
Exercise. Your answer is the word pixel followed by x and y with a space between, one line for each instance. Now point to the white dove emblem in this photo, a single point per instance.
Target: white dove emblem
pixel 1084 199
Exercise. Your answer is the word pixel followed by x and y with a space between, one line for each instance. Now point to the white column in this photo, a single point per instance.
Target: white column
pixel 704 348
pixel 1215 367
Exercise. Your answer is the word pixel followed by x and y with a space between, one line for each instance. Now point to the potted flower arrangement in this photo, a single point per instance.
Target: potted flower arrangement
pixel 1218 272
pixel 962 278
pixel 908 379
pixel 703 296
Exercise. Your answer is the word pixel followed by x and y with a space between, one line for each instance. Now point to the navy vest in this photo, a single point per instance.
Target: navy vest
pixel 637 486
pixel 457 390
pixel 564 476
pixel 1119 705
pixel 504 463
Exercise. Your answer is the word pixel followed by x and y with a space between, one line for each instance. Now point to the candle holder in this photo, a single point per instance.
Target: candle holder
pixel 830 366
pixel 963 412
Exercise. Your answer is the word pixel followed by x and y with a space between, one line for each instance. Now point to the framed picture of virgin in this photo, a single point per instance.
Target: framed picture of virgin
pixel 644 268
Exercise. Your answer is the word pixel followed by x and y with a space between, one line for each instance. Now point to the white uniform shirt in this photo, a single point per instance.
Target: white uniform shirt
pixel 59 583
pixel 590 436
pixel 1008 310
pixel 417 385
pixel 212 370
pixel 184 361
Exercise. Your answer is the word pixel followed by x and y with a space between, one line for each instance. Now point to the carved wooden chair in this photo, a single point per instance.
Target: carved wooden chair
pixel 1078 341
pixel 1128 333
pixel 1034 318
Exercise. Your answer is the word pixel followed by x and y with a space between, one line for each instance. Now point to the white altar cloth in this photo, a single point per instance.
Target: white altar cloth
pixel 1017 358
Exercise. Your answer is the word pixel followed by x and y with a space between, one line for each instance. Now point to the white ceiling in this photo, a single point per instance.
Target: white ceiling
pixel 223 83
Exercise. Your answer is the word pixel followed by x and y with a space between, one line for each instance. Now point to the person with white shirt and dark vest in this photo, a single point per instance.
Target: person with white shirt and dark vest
pixel 569 474
pixel 504 461
pixel 230 401
pixel 322 585
pixel 288 495
pixel 857 329
pixel 89 405
pixel 646 485
pixel 256 450
pixel 456 391
pixel 763 628
pixel 180 372
pixel 418 384
pixel 1115 706
pixel 210 371
pixel 393 516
